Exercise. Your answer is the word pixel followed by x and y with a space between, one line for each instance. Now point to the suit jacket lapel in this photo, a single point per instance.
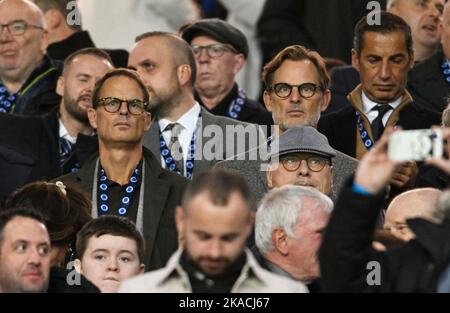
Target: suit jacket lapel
pixel 201 164
pixel 151 140
pixel 155 198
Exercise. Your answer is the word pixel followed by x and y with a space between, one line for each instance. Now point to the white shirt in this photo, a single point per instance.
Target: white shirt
pixel 63 133
pixel 189 122
pixel 368 105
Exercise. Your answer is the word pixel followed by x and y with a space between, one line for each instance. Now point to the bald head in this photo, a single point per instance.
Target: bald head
pixel 28 9
pixel 416 203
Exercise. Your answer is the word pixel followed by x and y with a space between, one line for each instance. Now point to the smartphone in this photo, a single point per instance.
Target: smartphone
pixel 416 145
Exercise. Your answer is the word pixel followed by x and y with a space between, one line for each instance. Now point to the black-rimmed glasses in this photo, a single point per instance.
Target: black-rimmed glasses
pixel 213 51
pixel 112 105
pixel 17 28
pixel 306 90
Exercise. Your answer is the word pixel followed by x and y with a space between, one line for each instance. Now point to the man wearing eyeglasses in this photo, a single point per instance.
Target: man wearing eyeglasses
pixel 126 179
pixel 296 93
pixel 303 158
pixel 27 75
pixel 220 52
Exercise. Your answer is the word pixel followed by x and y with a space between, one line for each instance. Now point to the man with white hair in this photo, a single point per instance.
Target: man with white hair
pixel 415 203
pixel 288 231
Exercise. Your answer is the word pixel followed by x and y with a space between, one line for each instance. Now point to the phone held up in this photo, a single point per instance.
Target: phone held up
pixel 416 145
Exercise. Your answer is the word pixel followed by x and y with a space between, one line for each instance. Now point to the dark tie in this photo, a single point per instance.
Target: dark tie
pixel 377 124
pixel 65 150
pixel 175 146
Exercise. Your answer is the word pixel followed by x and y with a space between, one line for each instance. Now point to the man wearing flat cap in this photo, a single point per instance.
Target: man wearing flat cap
pixel 303 158
pixel 220 52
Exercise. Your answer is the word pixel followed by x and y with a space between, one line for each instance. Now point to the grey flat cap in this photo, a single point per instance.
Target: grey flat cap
pixel 304 139
pixel 219 30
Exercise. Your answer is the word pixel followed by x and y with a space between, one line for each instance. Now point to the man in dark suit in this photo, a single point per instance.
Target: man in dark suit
pixel 183 132
pixel 383 55
pixel 126 179
pixel 429 82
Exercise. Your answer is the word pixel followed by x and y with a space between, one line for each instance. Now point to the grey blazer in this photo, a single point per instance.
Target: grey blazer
pixel 343 167
pixel 207 138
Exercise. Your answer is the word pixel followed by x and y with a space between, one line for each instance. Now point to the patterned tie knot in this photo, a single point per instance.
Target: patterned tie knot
pixel 174 145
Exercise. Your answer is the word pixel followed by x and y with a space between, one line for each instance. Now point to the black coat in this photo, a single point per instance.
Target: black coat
pixel 340 127
pixel 58 282
pixel 25 155
pixel 163 192
pixel 84 147
pixel 62 49
pixel 346 250
pixel 322 25
pixel 427 84
pixel 343 80
pixel 38 95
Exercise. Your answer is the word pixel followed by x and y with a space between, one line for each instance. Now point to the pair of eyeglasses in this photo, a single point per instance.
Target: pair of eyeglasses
pixel 113 105
pixel 315 163
pixel 17 28
pixel 213 51
pixel 306 90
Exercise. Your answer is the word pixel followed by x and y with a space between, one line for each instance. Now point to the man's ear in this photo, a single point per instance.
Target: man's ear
pixel 148 120
pixel 239 61
pixel 279 241
pixel 77 265
pixel 180 224
pixel 355 59
pixel 326 98
pixel 141 268
pixel 267 101
pixel 92 116
pixel 184 73
pixel 60 86
pixel 269 178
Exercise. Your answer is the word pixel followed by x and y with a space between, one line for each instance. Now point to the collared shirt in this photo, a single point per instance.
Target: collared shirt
pixel 173 278
pixel 368 105
pixel 189 122
pixel 63 133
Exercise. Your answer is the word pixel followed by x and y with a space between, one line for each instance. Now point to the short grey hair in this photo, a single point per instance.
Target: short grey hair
pixel 280 208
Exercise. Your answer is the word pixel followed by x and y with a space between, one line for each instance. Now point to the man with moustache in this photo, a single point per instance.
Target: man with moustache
pixel 215 220
pixel 68 125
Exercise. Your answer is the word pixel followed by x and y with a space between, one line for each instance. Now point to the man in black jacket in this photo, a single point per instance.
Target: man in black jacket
pixel 27 75
pixel 429 81
pixel 347 260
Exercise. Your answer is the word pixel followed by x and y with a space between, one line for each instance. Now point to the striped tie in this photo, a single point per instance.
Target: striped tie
pixel 65 149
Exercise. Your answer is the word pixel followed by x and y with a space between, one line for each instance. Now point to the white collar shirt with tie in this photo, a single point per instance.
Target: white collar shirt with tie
pixel 371 114
pixel 189 122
